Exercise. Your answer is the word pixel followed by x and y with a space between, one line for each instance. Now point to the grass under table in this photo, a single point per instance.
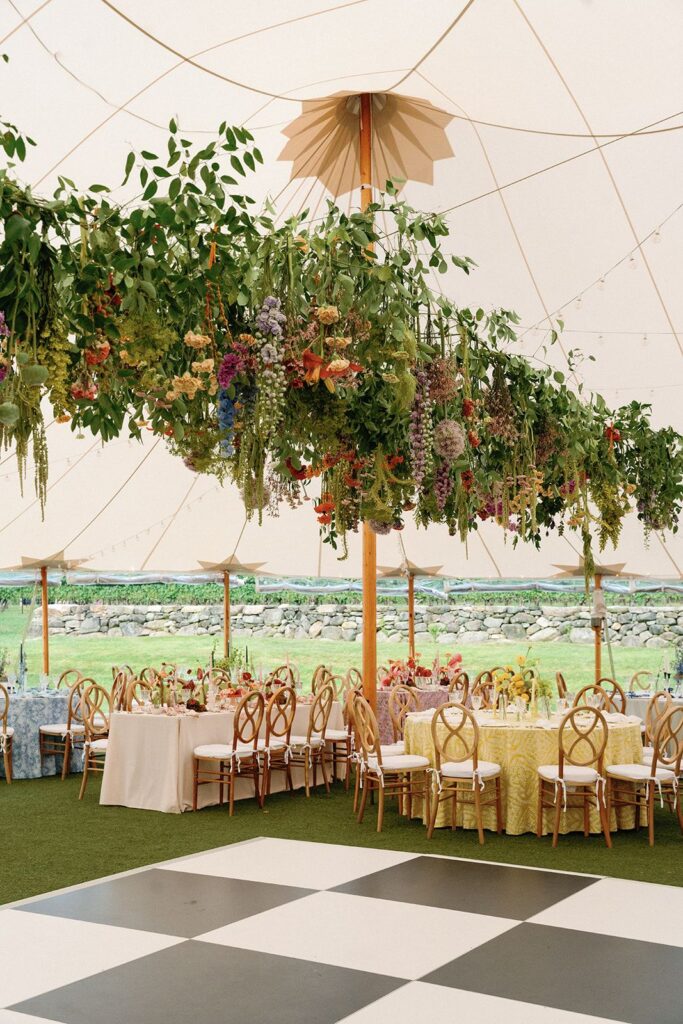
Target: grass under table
pixel 49 839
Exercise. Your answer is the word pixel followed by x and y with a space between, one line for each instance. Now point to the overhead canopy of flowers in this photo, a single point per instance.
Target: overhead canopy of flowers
pixel 302 361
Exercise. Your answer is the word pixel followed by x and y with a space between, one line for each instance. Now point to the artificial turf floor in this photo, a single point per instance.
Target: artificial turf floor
pixel 49 839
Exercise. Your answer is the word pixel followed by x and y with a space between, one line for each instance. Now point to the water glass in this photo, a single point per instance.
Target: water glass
pixel 476 701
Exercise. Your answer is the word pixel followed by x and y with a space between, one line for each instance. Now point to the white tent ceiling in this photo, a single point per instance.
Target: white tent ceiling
pixel 565 188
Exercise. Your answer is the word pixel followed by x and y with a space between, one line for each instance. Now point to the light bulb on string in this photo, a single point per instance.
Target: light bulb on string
pixel 645 340
pixel 656 238
pixel 632 263
pixel 600 339
pixel 601 284
pixel 577 304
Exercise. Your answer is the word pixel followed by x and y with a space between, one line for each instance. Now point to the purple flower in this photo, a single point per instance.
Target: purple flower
pixel 3 373
pixel 4 329
pixel 232 364
pixel 270 318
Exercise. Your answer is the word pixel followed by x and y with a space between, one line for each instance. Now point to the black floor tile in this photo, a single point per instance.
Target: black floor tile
pixel 209 984
pixel 171 902
pixel 598 975
pixel 476 887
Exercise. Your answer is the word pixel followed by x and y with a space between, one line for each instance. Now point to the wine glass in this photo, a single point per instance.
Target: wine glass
pixel 476 701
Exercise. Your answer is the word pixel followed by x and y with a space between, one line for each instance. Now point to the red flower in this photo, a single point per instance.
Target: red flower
pixel 298 474
pixel 467 478
pixel 473 439
pixel 612 435
pixel 325 519
pixel 312 366
pixel 467 408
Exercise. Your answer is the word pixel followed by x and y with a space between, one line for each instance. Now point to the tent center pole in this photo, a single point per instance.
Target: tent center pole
pixel 46 637
pixel 598 638
pixel 411 616
pixel 369 537
pixel 226 613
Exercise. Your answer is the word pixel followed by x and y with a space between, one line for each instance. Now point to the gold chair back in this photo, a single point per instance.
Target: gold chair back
pixel 321 676
pixel 402 699
pixel 485 686
pixel 283 675
pixel 75 708
pixel 642 680
pixel 657 707
pixel 366 730
pixel 4 708
pixel 460 686
pixel 595 692
pixel 138 691
pixel 95 710
pixel 354 679
pixel 615 693
pixel 320 711
pixel 668 742
pixel 582 738
pixel 280 711
pixel 455 734
pixel 561 686
pixel 68 678
pixel 118 690
pixel 248 719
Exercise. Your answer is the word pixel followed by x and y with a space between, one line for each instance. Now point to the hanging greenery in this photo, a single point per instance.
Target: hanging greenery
pixel 302 360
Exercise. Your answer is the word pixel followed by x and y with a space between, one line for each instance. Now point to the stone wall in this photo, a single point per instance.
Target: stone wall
pixel 630 626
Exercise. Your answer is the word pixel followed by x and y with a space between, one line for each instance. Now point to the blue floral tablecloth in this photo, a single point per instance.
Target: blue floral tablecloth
pixel 26 713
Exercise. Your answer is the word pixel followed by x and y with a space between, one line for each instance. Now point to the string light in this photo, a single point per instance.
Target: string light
pixel 656 238
pixel 601 284
pixel 645 339
pixel 577 304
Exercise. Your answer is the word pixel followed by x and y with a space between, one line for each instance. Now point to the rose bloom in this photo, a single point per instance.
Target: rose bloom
pixel 327 314
pixel 204 366
pixel 196 340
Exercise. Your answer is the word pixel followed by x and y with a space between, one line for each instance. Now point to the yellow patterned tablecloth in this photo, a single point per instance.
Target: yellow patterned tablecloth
pixel 519 748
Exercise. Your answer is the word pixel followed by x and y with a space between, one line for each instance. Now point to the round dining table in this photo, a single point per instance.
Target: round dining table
pixel 428 698
pixel 520 747
pixel 149 762
pixel 27 712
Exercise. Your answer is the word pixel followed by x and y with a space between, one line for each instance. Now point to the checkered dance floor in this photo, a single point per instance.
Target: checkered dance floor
pixel 307 933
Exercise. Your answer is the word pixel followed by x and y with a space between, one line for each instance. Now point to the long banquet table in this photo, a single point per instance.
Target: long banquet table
pixel 520 748
pixel 149 758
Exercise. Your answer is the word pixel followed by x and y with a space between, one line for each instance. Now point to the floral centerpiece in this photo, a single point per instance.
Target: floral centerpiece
pixel 445 673
pixel 406 671
pixel 522 681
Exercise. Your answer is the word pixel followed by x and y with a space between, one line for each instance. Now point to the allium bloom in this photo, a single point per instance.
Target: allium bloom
pixel 229 368
pixel 4 329
pixel 449 440
pixel 379 527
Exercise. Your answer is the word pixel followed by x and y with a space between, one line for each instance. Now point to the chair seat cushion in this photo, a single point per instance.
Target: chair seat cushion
pixel 60 729
pixel 221 751
pixel 301 741
pixel 400 763
pixel 639 773
pixel 465 769
pixel 274 743
pixel 336 735
pixel 574 774
pixel 389 749
pixel 99 744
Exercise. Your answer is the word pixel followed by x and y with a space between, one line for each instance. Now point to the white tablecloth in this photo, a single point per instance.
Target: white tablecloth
pixel 149 758
pixel 638 705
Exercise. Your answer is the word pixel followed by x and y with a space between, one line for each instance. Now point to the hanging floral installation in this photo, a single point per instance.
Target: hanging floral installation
pixel 307 363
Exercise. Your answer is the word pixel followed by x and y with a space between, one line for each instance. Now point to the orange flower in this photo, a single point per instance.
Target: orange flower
pixel 312 366
pixel 323 507
pixel 325 519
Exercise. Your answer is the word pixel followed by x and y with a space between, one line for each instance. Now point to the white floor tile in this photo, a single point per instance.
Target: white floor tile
pixel 399 939
pixel 39 952
pixel 289 862
pixel 421 1002
pixel 626 909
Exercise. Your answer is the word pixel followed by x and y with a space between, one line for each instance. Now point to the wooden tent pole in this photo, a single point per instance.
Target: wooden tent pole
pixel 598 638
pixel 369 538
pixel 46 637
pixel 411 615
pixel 226 613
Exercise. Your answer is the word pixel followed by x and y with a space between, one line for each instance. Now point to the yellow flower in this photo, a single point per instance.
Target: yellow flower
pixel 521 659
pixel 203 366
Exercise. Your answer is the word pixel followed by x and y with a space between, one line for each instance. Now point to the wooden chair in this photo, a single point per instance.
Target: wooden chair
pixel 118 690
pixel 580 771
pixel 387 776
pixel 658 706
pixel 68 678
pixel 636 785
pixel 354 679
pixel 459 774
pixel 273 748
pixel 309 751
pixel 126 669
pixel 156 680
pixel 615 693
pixel 642 680
pixel 596 695
pixel 459 688
pixel 138 691
pixel 320 671
pixel 562 691
pixel 60 738
pixel 283 675
pixel 96 712
pixel 6 734
pixel 224 763
pixel 402 700
pixel 485 687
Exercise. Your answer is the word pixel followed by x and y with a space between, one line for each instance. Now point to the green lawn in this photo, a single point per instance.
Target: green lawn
pixel 95 655
pixel 49 839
